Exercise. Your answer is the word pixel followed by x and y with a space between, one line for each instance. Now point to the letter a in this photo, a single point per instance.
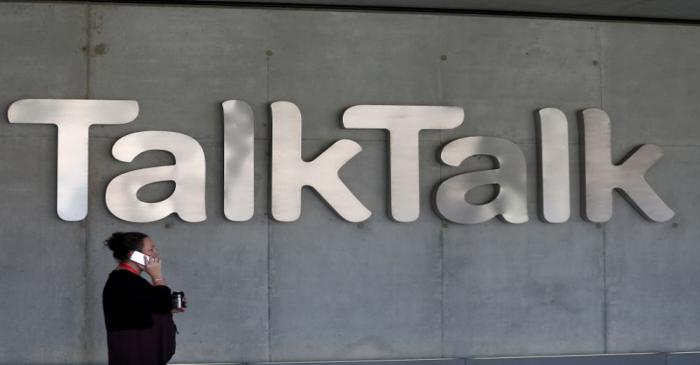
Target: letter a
pixel 510 203
pixel 188 173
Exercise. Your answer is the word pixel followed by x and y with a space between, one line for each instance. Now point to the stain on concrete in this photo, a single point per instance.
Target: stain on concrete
pixel 100 49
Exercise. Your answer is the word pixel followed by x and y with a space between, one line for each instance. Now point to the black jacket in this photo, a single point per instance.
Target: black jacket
pixel 128 301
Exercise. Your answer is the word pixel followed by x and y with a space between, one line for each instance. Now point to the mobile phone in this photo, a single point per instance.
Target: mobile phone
pixel 138 258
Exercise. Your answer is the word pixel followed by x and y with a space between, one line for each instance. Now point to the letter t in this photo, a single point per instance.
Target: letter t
pixel 404 122
pixel 73 119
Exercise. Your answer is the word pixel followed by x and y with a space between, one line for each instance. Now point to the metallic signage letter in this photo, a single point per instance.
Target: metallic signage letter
pixel 238 160
pixel 290 173
pixel 73 119
pixel 188 173
pixel 404 123
pixel 601 176
pixel 510 203
pixel 553 133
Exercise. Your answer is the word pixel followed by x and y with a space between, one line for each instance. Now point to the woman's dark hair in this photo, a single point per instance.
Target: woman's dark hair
pixel 121 243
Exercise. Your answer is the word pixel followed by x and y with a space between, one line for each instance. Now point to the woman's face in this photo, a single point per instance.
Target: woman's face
pixel 149 247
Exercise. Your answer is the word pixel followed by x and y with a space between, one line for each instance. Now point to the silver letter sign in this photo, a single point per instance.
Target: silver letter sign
pixel 403 122
pixel 290 173
pixel 188 173
pixel 73 119
pixel 238 160
pixel 601 176
pixel 510 203
pixel 553 134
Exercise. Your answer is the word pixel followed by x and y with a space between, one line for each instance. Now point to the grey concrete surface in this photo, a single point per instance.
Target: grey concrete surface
pixel 42 268
pixel 501 71
pixel 180 64
pixel 340 291
pixel 651 83
pixel 42 57
pixel 322 288
pixel 652 270
pixel 525 289
pixel 43 261
pixel 327 62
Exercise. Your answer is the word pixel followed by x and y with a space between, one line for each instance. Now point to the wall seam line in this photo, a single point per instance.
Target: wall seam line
pixel 88 48
pixel 267 76
pixel 605 289
pixel 87 323
pixel 269 228
pixel 600 65
pixel 601 90
pixel 442 293
pixel 269 289
pixel 441 237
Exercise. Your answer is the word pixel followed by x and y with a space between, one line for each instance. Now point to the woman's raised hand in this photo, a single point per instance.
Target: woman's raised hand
pixel 153 269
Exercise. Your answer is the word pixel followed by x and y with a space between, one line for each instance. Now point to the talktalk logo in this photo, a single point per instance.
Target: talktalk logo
pixel 290 173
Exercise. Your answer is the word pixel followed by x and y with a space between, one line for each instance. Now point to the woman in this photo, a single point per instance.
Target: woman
pixel 138 314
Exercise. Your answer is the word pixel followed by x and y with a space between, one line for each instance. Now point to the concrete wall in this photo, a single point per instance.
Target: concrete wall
pixel 322 288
